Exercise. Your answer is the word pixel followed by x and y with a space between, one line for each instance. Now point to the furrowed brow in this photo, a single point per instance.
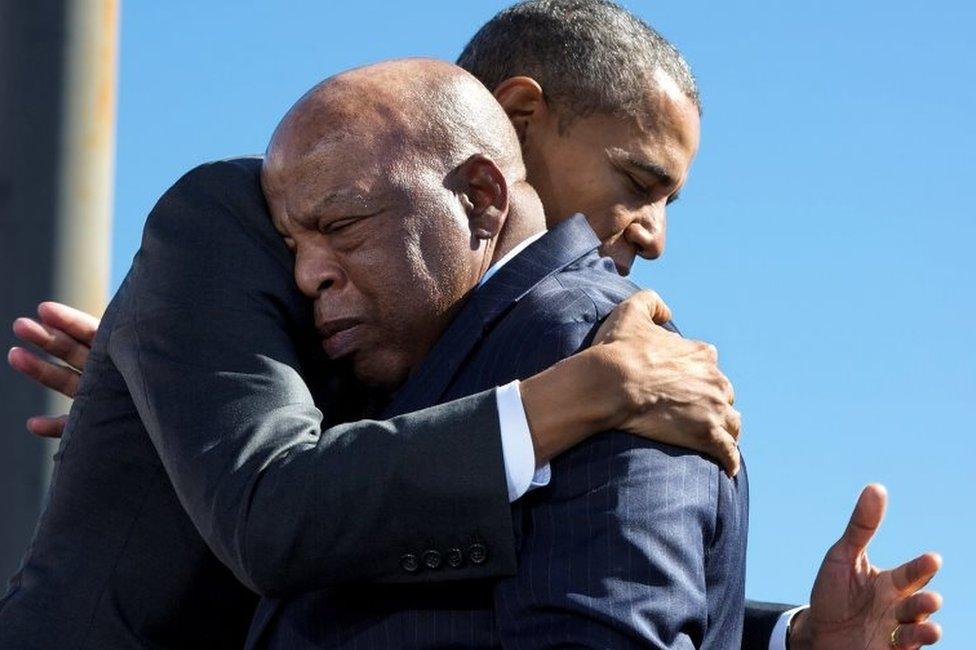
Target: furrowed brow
pixel 343 198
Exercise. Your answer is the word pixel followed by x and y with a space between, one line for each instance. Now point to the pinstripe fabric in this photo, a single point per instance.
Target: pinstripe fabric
pixel 633 544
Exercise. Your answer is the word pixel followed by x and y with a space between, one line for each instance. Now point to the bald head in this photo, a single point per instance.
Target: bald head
pixel 396 186
pixel 410 111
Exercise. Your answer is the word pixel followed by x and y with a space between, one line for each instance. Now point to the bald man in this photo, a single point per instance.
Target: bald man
pixel 432 275
pixel 195 469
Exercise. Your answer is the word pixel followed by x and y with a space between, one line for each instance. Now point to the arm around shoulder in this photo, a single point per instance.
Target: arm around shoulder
pixel 214 344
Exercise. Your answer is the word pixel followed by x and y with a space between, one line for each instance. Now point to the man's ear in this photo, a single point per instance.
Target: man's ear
pixel 523 101
pixel 484 193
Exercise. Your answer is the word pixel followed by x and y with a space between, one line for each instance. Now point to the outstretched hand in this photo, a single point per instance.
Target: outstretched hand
pixel 854 604
pixel 64 333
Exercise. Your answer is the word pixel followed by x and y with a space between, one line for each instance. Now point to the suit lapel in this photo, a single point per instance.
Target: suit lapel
pixel 564 244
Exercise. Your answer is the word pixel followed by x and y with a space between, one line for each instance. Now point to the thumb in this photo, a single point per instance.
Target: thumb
pixel 657 309
pixel 866 518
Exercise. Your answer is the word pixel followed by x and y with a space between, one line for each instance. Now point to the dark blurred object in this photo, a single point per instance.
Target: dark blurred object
pixel 57 115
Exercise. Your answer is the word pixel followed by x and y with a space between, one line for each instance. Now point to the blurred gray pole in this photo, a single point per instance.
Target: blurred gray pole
pixel 58 62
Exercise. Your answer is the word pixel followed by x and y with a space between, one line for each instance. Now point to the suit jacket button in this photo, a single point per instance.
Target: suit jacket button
pixel 409 563
pixel 477 553
pixel 455 557
pixel 432 559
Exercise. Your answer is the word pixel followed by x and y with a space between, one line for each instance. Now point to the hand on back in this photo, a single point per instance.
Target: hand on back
pixel 64 333
pixel 670 388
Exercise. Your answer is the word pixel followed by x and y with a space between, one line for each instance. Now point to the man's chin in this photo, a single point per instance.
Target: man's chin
pixel 377 374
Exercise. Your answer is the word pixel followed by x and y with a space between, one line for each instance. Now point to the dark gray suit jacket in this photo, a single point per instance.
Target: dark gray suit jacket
pixel 116 561
pixel 197 380
pixel 632 544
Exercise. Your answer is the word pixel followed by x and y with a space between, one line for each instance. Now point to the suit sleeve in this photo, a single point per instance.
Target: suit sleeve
pixel 760 620
pixel 208 352
pixel 633 544
pixel 725 562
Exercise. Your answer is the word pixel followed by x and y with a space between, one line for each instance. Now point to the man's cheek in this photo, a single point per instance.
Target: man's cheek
pixel 608 225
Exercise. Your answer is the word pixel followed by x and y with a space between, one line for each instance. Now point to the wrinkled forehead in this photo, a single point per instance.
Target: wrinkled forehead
pixel 342 166
pixel 347 173
pixel 355 149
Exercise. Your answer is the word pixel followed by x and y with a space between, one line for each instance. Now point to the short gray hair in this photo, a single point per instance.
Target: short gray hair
pixel 589 56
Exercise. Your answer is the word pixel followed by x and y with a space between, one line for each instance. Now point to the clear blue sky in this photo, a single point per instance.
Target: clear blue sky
pixel 823 241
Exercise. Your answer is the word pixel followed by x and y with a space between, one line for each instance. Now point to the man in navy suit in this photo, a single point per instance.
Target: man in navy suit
pixel 432 275
pixel 577 78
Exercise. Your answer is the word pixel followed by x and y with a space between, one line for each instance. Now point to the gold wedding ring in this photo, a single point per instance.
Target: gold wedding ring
pixel 893 639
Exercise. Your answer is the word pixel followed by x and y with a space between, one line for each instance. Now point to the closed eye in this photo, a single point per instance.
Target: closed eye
pixel 337 225
pixel 644 192
pixel 636 167
pixel 639 188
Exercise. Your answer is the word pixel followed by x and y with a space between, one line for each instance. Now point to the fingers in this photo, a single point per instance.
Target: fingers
pixel 654 306
pixel 726 386
pixel 915 574
pixel 865 519
pixel 916 635
pixel 45 426
pixel 63 380
pixel 710 354
pixel 723 448
pixel 77 324
pixel 918 607
pixel 634 316
pixel 733 424
pixel 53 341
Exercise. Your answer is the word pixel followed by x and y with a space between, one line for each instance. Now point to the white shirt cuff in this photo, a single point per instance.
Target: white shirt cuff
pixel 518 455
pixel 777 641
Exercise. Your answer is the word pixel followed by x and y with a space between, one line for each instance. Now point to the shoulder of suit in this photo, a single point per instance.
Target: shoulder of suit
pixel 578 295
pixel 216 211
pixel 223 179
pixel 214 195
pixel 240 166
pixel 597 278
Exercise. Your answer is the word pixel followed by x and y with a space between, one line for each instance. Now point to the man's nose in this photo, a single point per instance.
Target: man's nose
pixel 648 232
pixel 317 271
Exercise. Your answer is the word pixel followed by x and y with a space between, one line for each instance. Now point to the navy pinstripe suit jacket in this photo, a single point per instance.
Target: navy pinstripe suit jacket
pixel 632 544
